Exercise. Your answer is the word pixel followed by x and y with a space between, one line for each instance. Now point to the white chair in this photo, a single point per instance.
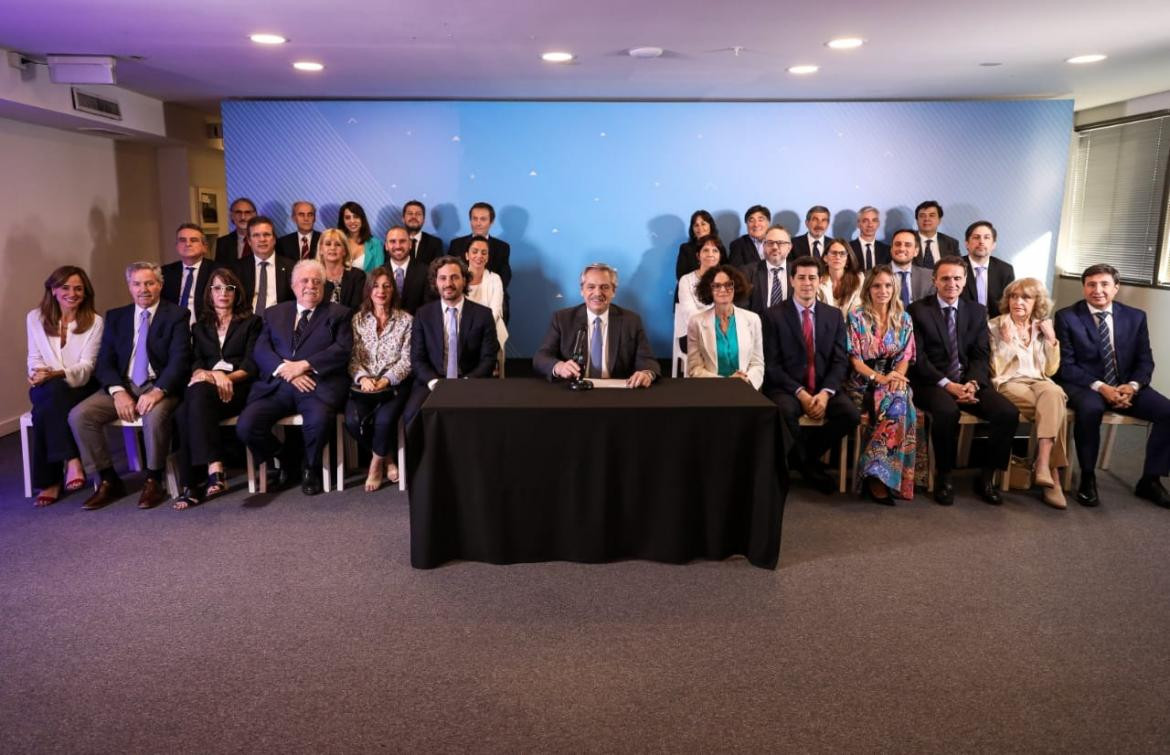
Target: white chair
pixel 1110 421
pixel 843 463
pixel 351 452
pixel 258 478
pixel 967 424
pixel 678 360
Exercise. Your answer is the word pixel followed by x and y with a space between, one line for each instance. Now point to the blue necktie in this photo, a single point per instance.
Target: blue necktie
pixel 1107 348
pixel 981 285
pixel 140 371
pixel 595 358
pixel 954 369
pixel 928 254
pixel 905 289
pixel 452 344
pixel 185 297
pixel 774 297
pixel 399 277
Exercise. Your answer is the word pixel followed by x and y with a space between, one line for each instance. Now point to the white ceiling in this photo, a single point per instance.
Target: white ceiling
pixel 198 52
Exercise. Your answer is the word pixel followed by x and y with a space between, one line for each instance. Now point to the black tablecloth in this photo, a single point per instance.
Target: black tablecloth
pixel 518 470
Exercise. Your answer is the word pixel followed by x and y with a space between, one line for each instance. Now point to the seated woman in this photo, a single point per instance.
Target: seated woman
pixel 881 350
pixel 486 288
pixel 343 284
pixel 842 286
pixel 725 340
pixel 710 252
pixel 702 224
pixel 222 371
pixel 1024 356
pixel 380 368
pixel 365 250
pixel 64 334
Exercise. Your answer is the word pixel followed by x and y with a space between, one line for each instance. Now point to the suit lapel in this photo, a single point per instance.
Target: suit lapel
pixel 1089 322
pixel 707 330
pixel 743 338
pixel 615 334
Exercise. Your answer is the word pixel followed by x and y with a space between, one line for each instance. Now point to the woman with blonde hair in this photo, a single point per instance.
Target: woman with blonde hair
pixel 1024 356
pixel 343 283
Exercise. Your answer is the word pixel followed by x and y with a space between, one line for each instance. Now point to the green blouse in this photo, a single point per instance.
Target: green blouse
pixel 727 347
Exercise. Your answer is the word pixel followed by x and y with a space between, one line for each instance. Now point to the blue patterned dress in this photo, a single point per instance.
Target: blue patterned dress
pixel 889 442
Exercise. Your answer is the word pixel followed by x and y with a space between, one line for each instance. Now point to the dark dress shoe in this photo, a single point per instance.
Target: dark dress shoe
pixel 944 491
pixel 152 494
pixel 984 487
pixel 107 492
pixel 1087 492
pixel 311 483
pixel 1151 489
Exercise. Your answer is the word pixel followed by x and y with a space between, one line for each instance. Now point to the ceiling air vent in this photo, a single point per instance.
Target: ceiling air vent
pixel 90 103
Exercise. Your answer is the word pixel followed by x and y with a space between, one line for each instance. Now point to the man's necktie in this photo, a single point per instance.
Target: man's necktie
pixel 817 249
pixel 185 297
pixel 262 289
pixel 1107 348
pixel 302 326
pixel 905 286
pixel 140 371
pixel 452 344
pixel 954 369
pixel 399 278
pixel 810 351
pixel 775 296
pixel 981 285
pixel 304 247
pixel 928 253
pixel 595 357
pixel 869 256
pixel 413 248
pixel 247 248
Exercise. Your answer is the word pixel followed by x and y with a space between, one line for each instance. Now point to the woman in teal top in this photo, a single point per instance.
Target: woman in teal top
pixel 365 251
pixel 725 340
pixel 726 343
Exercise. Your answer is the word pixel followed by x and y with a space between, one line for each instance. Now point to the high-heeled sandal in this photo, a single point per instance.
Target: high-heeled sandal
pixel 44 499
pixel 216 484
pixel 74 485
pixel 187 498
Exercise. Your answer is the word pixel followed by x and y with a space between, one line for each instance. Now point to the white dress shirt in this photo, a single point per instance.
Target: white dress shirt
pixel 76 358
pixel 150 373
pixel 1096 384
pixel 589 318
pixel 271 273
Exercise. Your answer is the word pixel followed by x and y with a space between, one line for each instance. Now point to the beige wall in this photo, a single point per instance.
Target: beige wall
pixel 68 198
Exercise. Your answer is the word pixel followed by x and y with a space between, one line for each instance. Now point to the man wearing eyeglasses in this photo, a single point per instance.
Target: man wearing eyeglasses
pixel 769 276
pixel 185 280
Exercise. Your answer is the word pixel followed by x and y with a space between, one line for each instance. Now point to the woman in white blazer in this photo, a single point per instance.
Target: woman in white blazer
pixel 710 253
pixel 725 340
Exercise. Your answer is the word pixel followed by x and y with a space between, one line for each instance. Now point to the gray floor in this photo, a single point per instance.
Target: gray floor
pixel 298 624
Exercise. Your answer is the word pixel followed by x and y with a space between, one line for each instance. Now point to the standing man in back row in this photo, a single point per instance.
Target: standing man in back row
pixel 301 244
pixel 812 243
pixel 424 247
pixel 748 249
pixel 235 245
pixel 932 243
pixel 481 216
pixel 987 276
pixel 866 247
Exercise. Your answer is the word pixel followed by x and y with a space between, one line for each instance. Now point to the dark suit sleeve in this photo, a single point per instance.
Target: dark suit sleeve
pixel 643 355
pixel 774 372
pixel 420 360
pixel 489 344
pixel 174 375
pixel 924 369
pixel 838 358
pixel 264 353
pixel 251 335
pixel 549 352
pixel 1071 371
pixel 684 263
pixel 504 264
pixel 109 374
pixel 979 352
pixel 1143 359
pixel 334 358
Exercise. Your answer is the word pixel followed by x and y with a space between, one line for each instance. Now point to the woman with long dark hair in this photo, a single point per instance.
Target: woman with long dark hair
pixel 365 249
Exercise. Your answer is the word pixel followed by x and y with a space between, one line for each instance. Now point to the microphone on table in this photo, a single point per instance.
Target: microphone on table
pixel 581 358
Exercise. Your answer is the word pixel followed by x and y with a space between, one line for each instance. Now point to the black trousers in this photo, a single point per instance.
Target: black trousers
pixel 810 443
pixel 372 418
pixel 993 407
pixel 198 418
pixel 52 439
pixel 1148 404
pixel 259 417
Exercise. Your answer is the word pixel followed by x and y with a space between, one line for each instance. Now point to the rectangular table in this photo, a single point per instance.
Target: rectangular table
pixel 521 470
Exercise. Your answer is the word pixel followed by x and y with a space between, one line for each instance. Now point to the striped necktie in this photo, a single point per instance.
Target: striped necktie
pixel 1107 348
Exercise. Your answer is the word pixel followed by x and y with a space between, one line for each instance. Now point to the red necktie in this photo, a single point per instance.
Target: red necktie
pixel 806 327
pixel 304 247
pixel 247 248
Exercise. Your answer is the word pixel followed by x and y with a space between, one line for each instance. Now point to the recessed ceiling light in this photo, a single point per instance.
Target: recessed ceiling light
pixel 803 70
pixel 1094 58
pixel 646 52
pixel 845 43
pixel 557 57
pixel 308 65
pixel 268 39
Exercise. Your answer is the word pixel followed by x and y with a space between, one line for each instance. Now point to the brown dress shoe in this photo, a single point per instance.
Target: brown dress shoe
pixel 107 492
pixel 152 494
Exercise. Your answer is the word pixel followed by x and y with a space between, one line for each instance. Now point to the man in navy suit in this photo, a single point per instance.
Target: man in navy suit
pixel 813 242
pixel 1106 365
pixel 769 276
pixel 303 359
pixel 185 280
pixel 424 247
pixel 265 275
pixel 804 365
pixel 453 337
pixel 410 275
pixel 143 366
pixel 302 243
pixel 615 343
pixel 235 245
pixel 748 249
pixel 933 244
pixel 866 247
pixel 987 276
pixel 953 374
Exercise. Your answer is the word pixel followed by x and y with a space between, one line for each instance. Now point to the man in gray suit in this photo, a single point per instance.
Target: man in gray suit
pixel 914 282
pixel 616 344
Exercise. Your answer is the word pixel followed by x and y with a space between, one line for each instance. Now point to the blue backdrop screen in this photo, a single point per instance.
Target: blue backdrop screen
pixel 577 182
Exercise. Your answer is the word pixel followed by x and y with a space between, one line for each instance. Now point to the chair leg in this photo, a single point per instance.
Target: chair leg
pixel 401 455
pixel 249 462
pixel 340 461
pixel 25 432
pixel 172 476
pixel 1107 447
pixel 966 434
pixel 843 464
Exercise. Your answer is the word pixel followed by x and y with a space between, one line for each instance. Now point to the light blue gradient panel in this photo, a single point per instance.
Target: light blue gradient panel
pixel 576 182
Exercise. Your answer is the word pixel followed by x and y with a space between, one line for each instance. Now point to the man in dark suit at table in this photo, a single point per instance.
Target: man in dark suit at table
pixel 805 363
pixel 301 244
pixel 302 356
pixel 769 276
pixel 933 244
pixel 452 337
pixel 235 245
pixel 748 249
pixel 424 247
pixel 185 280
pixel 866 247
pixel 953 374
pixel 1106 365
pixel 987 276
pixel 812 242
pixel 615 343
pixel 143 366
pixel 265 275
pixel 914 282
pixel 410 275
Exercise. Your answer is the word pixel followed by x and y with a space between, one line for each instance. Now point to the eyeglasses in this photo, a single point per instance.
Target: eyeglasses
pixel 835 253
pixel 223 289
pixel 778 243
pixel 722 286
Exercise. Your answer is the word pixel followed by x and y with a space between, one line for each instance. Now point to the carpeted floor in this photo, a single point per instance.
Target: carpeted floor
pixel 298 625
